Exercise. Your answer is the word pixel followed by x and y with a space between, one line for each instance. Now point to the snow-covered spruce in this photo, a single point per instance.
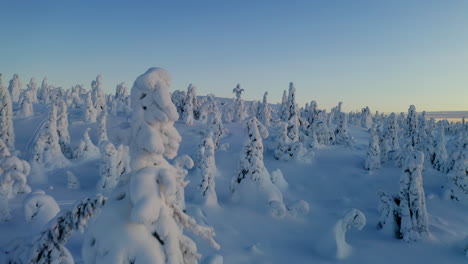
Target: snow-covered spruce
pixel 39 208
pixel 439 156
pixel 413 211
pixel 72 181
pixel 182 163
pixel 15 88
pixel 13 179
pixel 354 218
pixel 102 127
pixel 47 154
pixel 253 178
pixel 188 108
pixel 341 131
pixel 411 129
pixel 206 169
pixel 62 129
pixel 389 213
pixel 284 108
pixel 43 92
pixel 86 148
pixel 49 245
pixel 121 103
pixel 25 104
pixel 144 211
pixel 113 165
pixel 7 134
pixel 215 127
pixel 390 137
pixel 264 111
pixel 366 118
pixel 90 113
pixel 373 160
pixel 32 87
pixel 239 107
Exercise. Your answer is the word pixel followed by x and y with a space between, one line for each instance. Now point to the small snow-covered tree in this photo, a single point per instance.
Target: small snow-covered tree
pixel 32 87
pixel 90 112
pixel 373 160
pixel 341 131
pixel 47 154
pixel 187 114
pixel 389 213
pixel 216 127
pixel 182 163
pixel 264 111
pixel 178 99
pixel 49 245
pixel 354 218
pixel 25 104
pixel 227 112
pixel 366 118
pixel 43 93
pixel 7 134
pixel 72 181
pixel 206 167
pixel 86 148
pixel 62 129
pixel 239 107
pixel 390 136
pixel 208 106
pixel 150 224
pixel 413 211
pixel 13 179
pixel 15 88
pixel 456 187
pixel 121 101
pixel 253 177
pixel 110 167
pixel 439 156
pixel 98 96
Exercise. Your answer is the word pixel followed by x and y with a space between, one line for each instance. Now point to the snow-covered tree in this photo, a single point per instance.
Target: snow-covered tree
pixel 15 88
pixel 390 141
pixel 366 118
pixel 109 167
pixel 178 99
pixel 354 218
pixel 72 181
pixel 216 127
pixel 13 179
pixel 264 111
pixel 253 178
pixel 25 104
pixel 75 97
pixel 373 160
pixel 413 211
pixel 121 101
pixel 47 154
pixel 43 93
pixel 389 213
pixel 209 106
pixel 102 129
pixel 457 179
pixel 284 108
pixel 150 225
pixel 32 87
pixel 239 107
pixel 411 132
pixel 341 131
pixel 439 155
pixel 206 167
pixel 49 245
pixel 98 96
pixel 86 148
pixel 62 129
pixel 7 134
pixel 228 112
pixel 187 114
pixel 90 112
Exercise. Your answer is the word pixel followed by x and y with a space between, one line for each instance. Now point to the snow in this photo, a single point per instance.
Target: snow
pixel 315 196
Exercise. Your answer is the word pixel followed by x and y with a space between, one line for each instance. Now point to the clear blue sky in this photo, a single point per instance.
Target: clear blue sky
pixel 384 54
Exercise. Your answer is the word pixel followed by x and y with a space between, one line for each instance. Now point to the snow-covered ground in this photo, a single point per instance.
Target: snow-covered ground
pixel 333 183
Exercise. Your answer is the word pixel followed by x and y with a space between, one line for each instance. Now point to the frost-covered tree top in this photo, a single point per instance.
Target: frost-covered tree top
pixel 7 133
pixel 238 91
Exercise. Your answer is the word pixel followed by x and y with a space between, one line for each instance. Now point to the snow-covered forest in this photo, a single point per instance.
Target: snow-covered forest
pixel 152 174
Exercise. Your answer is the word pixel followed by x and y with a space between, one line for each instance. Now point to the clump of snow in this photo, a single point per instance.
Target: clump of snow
pixel 39 208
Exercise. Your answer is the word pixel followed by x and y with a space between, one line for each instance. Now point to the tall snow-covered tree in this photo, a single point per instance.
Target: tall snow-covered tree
pixel 98 96
pixel 102 128
pixel 15 88
pixel 7 133
pixel 47 154
pixel 32 86
pixel 49 245
pixel 62 129
pixel 43 93
pixel 366 118
pixel 188 109
pixel 111 166
pixel 439 155
pixel 373 160
pixel 253 178
pixel 456 187
pixel 206 167
pixel 121 102
pixel 264 111
pixel 284 108
pixel 239 107
pixel 411 131
pixel 341 131
pixel 149 223
pixel 413 211
pixel 13 179
pixel 390 137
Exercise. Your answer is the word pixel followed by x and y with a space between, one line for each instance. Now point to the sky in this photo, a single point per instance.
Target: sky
pixel 383 54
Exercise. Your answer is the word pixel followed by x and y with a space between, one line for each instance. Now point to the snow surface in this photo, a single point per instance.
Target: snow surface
pixel 332 184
